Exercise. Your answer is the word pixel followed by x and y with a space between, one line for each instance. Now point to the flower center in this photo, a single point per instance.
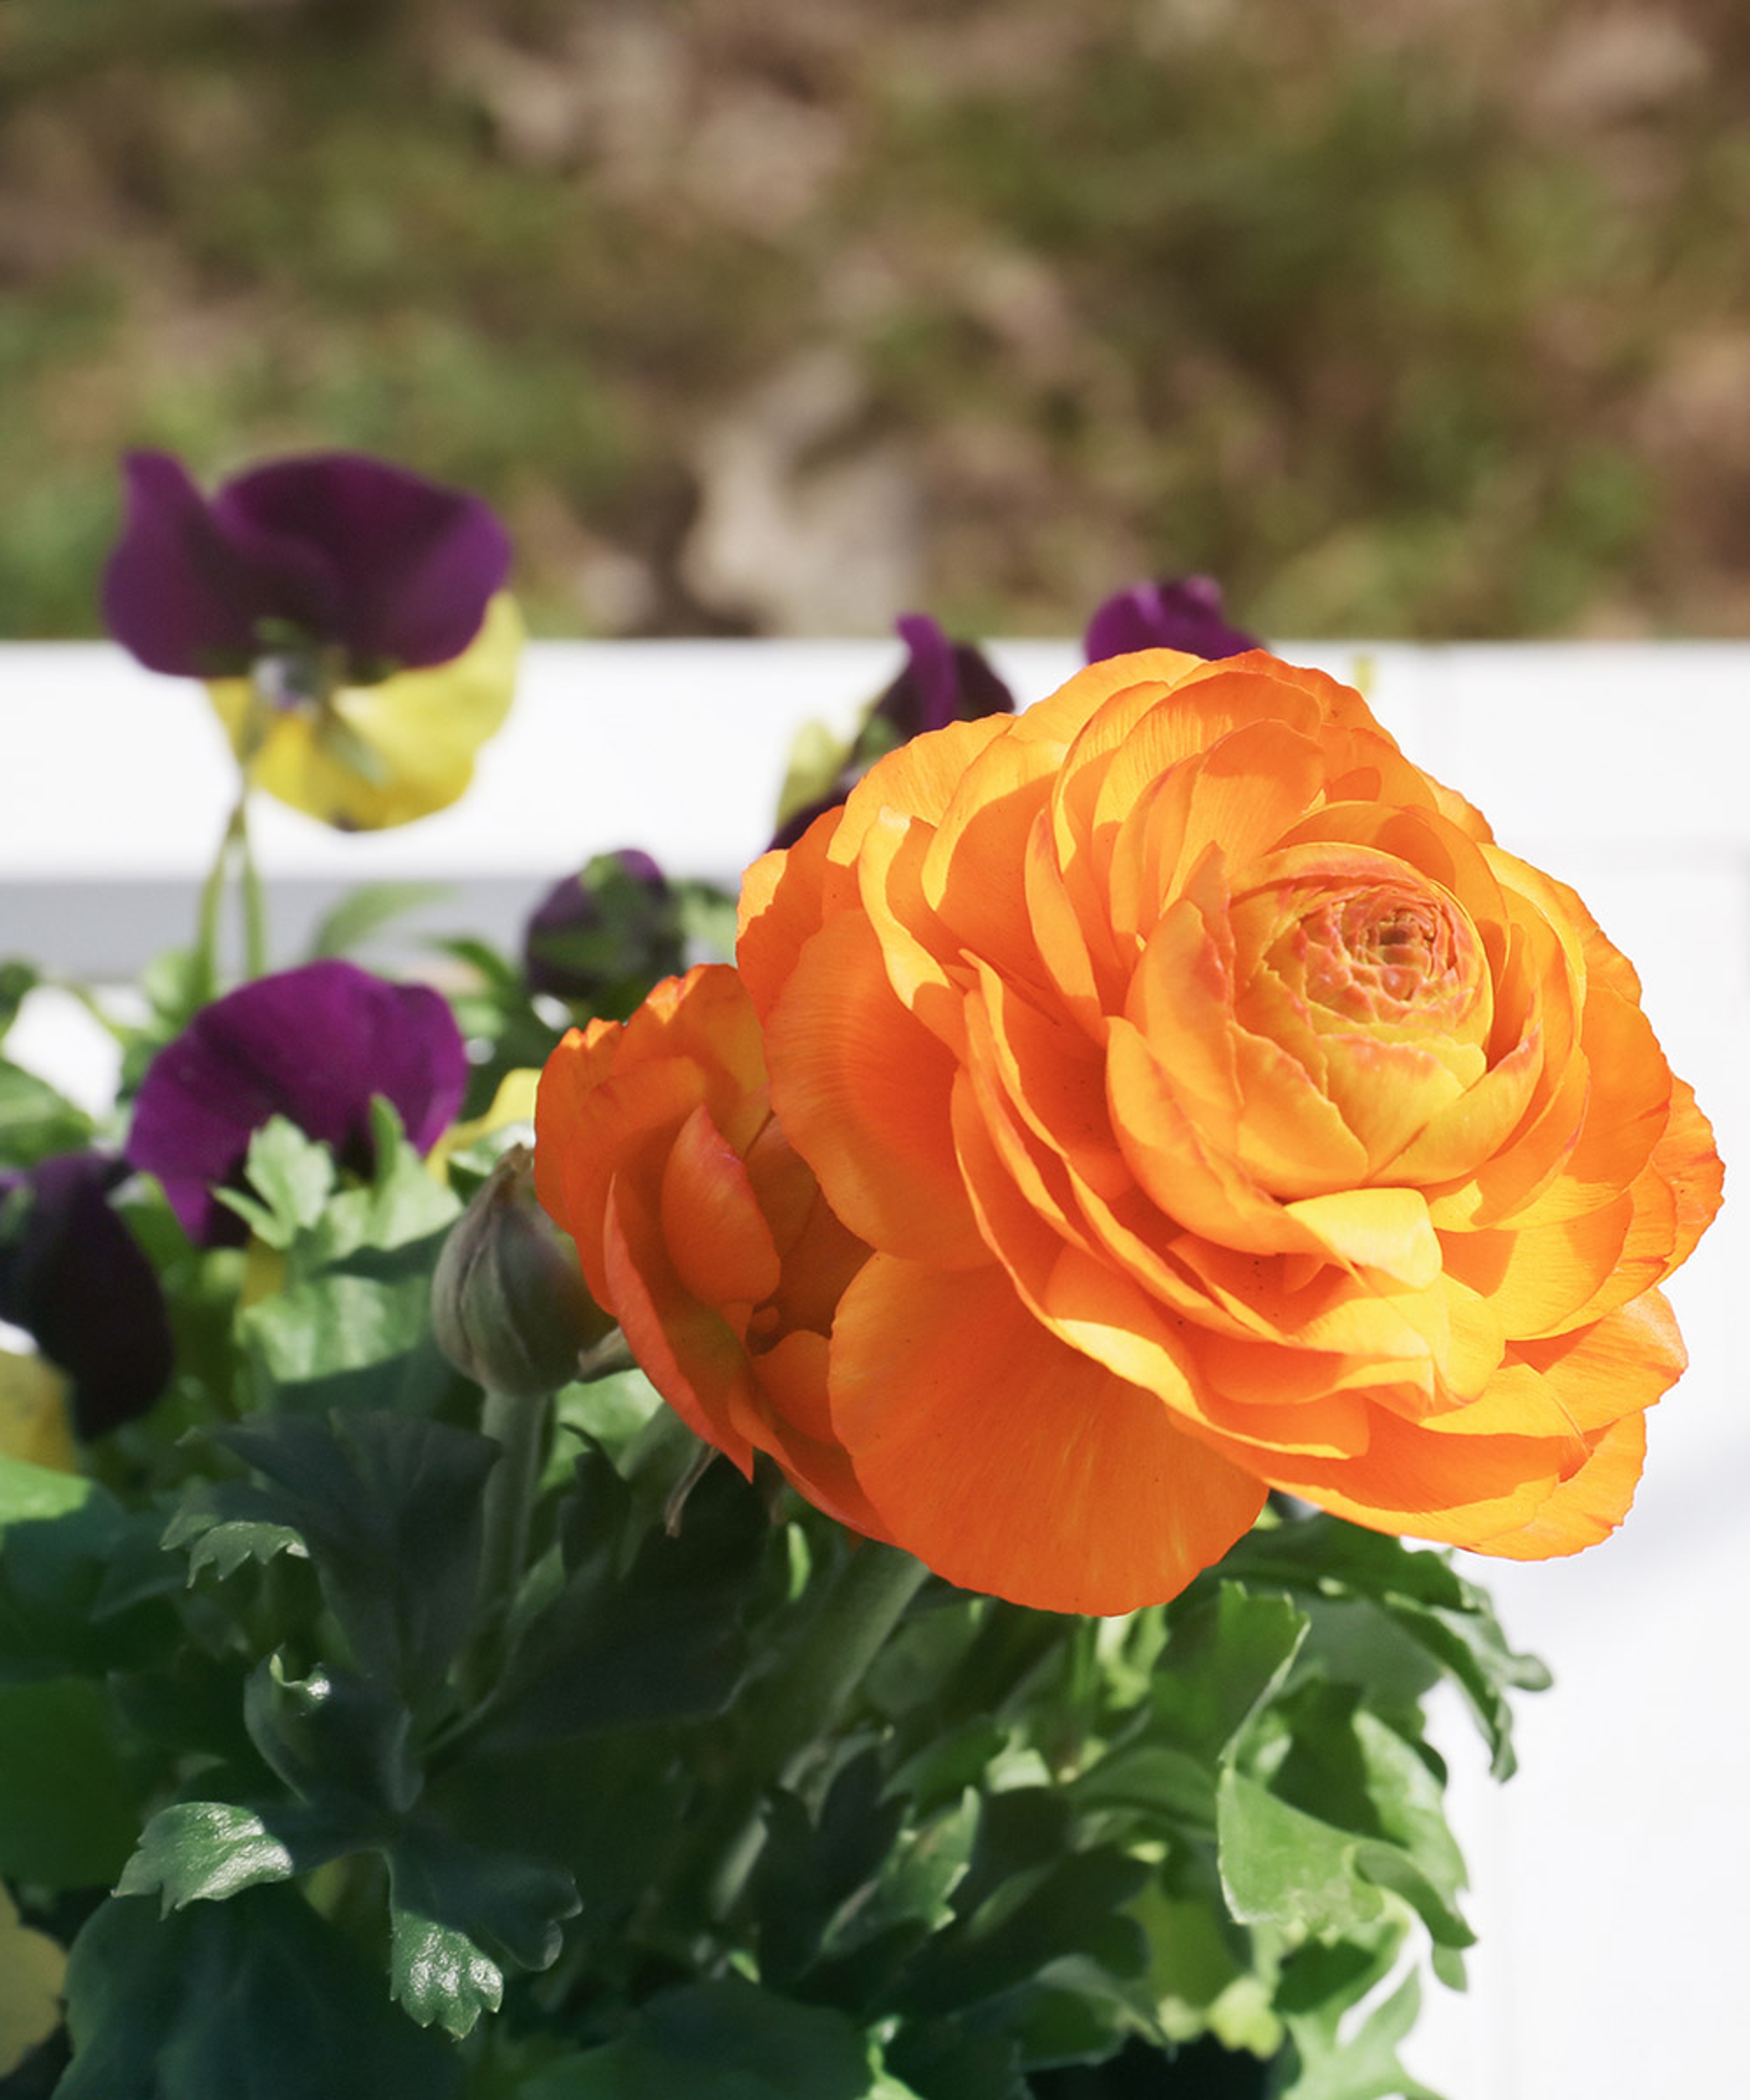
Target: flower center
pixel 1382 954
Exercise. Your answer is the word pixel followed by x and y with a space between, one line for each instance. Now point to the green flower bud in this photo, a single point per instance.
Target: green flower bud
pixel 508 1302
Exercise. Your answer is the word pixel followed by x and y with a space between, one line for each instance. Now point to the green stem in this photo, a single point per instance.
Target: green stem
pixel 791 1710
pixel 519 1426
pixel 254 896
pixel 206 924
pixel 808 1692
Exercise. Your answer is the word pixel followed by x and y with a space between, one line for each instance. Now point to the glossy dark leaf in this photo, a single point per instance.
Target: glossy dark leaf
pixel 723 2041
pixel 259 1996
pixel 662 1640
pixel 457 1913
pixel 390 1509
pixel 334 1738
pixel 208 1851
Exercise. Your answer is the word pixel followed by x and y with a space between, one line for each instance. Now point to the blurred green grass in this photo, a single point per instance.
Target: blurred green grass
pixel 1403 317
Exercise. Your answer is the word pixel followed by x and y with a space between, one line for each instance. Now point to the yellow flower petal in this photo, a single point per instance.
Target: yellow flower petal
pixel 32 1970
pixel 33 1413
pixel 378 756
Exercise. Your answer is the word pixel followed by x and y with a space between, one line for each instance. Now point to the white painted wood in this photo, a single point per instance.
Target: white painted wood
pixel 1610 1875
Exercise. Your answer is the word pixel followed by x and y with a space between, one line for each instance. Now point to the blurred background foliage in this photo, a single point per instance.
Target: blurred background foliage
pixel 1418 317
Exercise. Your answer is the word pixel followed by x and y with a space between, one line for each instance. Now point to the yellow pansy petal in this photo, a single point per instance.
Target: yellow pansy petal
pixel 378 756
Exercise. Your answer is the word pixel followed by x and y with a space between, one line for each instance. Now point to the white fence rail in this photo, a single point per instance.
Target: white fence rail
pixel 1611 1875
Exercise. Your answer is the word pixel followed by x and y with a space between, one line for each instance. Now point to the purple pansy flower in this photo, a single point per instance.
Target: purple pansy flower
pixel 942 682
pixel 603 936
pixel 331 550
pixel 73 1277
pixel 313 1044
pixel 1183 612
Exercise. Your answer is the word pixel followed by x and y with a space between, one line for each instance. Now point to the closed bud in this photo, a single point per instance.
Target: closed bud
pixel 508 1304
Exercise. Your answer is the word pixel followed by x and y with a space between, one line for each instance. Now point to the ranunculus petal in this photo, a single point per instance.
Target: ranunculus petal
pixel 854 1063
pixel 1011 1464
pixel 313 1044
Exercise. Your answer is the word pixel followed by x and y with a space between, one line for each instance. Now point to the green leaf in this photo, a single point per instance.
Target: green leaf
pixel 35 1121
pixel 662 1640
pixel 348 924
pixel 1283 1868
pixel 1335 2059
pixel 256 1996
pixel 723 2041
pixel 1418 1592
pixel 225 1523
pixel 208 1851
pixel 455 1912
pixel 402 1206
pixel 62 1538
pixel 389 1507
pixel 68 1806
pixel 1205 1975
pixel 1345 1766
pixel 18 980
pixel 293 1177
pixel 334 1738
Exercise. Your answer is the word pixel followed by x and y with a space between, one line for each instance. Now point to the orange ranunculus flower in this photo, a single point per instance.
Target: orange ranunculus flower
pixel 699 1229
pixel 1225 1110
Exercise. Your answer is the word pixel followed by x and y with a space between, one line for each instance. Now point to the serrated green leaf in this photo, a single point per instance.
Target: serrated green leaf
pixel 455 1912
pixel 1283 1868
pixel 257 1996
pixel 224 1523
pixel 292 1176
pixel 1202 1974
pixel 1418 1591
pixel 362 912
pixel 208 1851
pixel 389 1507
pixel 662 1640
pixel 722 2041
pixel 69 1808
pixel 1337 2060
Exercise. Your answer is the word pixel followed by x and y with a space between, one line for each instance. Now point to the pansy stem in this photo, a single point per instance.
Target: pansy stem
pixel 254 896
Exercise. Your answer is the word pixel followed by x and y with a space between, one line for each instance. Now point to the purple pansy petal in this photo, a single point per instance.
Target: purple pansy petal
pixel 415 564
pixel 74 1278
pixel 184 597
pixel 313 1044
pixel 943 681
pixel 351 551
pixel 1183 613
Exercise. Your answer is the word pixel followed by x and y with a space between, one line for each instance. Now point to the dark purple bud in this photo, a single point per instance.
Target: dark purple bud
pixel 602 938
pixel 334 548
pixel 73 1277
pixel 1180 613
pixel 942 682
pixel 313 1044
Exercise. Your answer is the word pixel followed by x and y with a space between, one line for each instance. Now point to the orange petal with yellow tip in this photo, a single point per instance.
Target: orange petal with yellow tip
pixel 1011 1464
pixel 1586 1508
pixel 863 1090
